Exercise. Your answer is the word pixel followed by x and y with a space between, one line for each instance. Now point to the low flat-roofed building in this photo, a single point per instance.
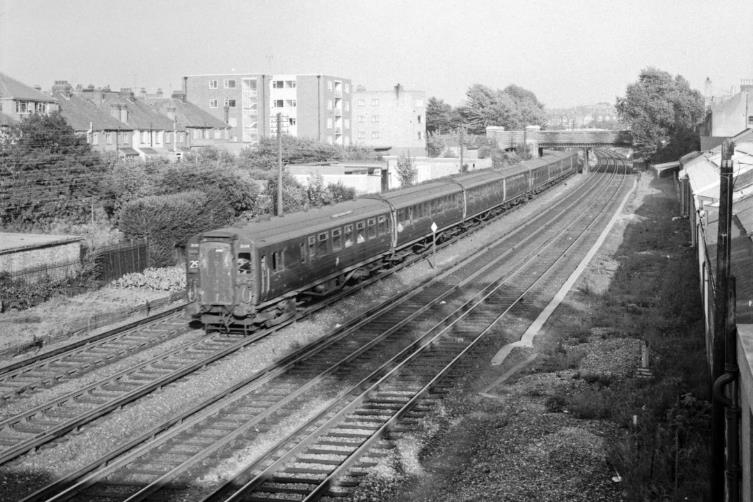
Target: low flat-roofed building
pixel 33 256
pixel 363 177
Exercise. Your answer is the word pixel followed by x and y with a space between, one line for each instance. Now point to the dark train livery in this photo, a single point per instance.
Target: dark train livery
pixel 255 275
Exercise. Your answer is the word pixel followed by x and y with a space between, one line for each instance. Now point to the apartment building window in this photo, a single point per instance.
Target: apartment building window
pixel 290 84
pixel 418 118
pixel 375 102
pixel 144 137
pixel 196 133
pixel 230 84
pixel 213 84
pixel 347 124
pixel 375 135
pixel 229 103
pixel 361 134
pixel 418 103
pixel 95 138
pixel 419 134
pixel 181 137
pixel 329 123
pixel 160 135
pixel 347 106
pixel 347 87
pixel 290 102
pixel 361 119
pixel 329 104
pixel 278 84
pixel 217 134
pixel 360 102
pixel 41 107
pixel 375 119
pixel 329 85
pixel 168 137
pixel 108 137
pixel 212 103
pixel 123 137
pixel 278 103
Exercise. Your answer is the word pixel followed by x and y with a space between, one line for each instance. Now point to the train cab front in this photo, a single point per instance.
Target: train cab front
pixel 220 285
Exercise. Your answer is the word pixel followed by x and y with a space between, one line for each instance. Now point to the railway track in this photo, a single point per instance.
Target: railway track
pixel 82 356
pixel 260 402
pixel 26 430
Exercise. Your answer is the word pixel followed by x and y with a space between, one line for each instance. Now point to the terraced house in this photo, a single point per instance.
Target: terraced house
pixel 18 100
pixel 103 132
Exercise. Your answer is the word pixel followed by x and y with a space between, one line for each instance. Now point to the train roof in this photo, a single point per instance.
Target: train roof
pixel 282 228
pixel 481 177
pixel 409 196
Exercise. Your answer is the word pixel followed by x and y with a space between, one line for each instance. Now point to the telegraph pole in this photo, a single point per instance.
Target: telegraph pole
pixel 462 130
pixel 720 319
pixel 279 164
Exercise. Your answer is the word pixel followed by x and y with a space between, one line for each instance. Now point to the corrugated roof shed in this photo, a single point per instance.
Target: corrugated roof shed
pixel 12 88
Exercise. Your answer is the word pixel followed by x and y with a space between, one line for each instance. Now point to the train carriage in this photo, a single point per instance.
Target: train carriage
pixel 238 278
pixel 241 270
pixel 416 208
pixel 483 190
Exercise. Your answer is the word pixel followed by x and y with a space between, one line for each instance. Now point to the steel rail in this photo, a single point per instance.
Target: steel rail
pixel 177 421
pixel 301 445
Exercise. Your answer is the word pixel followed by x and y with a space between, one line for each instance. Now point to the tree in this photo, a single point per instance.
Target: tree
pixel 662 113
pixel 51 172
pixel 438 116
pixel 406 171
pixel 512 108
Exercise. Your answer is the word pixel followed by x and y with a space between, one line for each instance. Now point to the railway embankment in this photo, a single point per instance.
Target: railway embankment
pixel 610 403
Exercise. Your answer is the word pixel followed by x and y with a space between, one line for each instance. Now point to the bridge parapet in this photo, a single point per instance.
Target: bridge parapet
pixel 583 138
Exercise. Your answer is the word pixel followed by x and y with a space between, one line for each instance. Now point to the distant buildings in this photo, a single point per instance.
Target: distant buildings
pixel 393 119
pixel 600 116
pixel 229 110
pixel 18 101
pixel 311 106
pixel 728 116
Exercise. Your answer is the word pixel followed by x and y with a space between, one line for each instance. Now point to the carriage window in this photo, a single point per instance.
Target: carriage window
pixel 372 228
pixel 410 215
pixel 336 239
pixel 348 235
pixel 401 215
pixel 360 232
pixel 244 263
pixel 312 246
pixel 321 248
pixel 382 225
pixel 302 251
pixel 277 260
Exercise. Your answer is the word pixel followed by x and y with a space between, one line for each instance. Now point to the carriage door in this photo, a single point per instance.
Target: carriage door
pixel 264 266
pixel 216 269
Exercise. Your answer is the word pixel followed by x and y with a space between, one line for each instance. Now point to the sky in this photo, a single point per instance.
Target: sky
pixel 568 52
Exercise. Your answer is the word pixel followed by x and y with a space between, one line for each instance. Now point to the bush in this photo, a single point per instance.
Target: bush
pixel 168 221
pixel 226 188
pixel 160 279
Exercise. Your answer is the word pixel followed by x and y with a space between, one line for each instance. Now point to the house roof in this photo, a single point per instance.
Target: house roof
pixel 186 114
pixel 82 114
pixel 140 115
pixel 11 88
